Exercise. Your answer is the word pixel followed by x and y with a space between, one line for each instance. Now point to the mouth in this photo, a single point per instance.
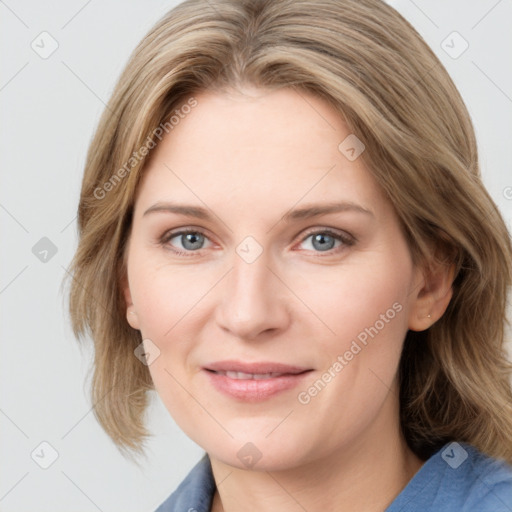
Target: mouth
pixel 253 382
pixel 250 376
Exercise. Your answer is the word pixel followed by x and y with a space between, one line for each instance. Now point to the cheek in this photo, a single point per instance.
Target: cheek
pixel 165 307
pixel 366 308
pixel 358 363
pixel 361 302
pixel 169 304
pixel 164 296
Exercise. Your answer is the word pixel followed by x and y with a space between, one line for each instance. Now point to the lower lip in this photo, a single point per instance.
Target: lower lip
pixel 254 390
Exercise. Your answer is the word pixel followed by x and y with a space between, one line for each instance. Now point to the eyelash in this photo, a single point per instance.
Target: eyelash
pixel 347 240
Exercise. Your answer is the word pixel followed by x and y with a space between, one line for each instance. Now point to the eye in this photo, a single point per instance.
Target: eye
pixel 326 240
pixel 187 241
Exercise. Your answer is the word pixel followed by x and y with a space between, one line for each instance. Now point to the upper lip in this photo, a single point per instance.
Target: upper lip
pixel 255 368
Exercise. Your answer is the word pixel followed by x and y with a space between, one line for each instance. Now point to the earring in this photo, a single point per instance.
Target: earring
pixel 428 316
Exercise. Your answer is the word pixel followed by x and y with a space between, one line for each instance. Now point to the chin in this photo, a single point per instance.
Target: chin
pixel 260 454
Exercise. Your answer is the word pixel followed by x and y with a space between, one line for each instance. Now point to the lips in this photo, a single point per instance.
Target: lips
pixel 254 368
pixel 255 376
pixel 253 382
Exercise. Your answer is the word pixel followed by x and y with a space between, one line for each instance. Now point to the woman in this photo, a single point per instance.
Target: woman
pixel 283 231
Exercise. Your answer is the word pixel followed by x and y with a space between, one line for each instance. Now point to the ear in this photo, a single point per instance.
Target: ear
pixel 131 313
pixel 432 294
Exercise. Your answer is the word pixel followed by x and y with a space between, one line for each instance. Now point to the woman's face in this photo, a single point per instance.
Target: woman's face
pixel 275 326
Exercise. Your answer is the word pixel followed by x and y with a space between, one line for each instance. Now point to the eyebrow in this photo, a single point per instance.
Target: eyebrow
pixel 306 212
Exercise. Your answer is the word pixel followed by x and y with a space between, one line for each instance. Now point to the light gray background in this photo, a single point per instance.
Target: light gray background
pixel 49 109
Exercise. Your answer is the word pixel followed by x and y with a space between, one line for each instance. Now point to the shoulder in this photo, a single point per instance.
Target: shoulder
pixel 488 483
pixel 458 478
pixel 195 493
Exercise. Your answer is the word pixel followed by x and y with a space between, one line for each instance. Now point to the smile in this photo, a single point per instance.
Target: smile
pixel 253 382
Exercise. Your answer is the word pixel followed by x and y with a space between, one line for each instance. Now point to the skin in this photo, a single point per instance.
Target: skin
pixel 250 156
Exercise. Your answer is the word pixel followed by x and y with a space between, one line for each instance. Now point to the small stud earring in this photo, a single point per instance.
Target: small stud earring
pixel 428 316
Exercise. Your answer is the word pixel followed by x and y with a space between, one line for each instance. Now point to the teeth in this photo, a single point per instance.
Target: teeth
pixel 246 376
pixel 257 376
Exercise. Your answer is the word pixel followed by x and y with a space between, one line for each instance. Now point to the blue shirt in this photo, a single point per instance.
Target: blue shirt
pixel 457 478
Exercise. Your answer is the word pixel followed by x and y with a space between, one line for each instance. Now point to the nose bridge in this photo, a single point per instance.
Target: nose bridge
pixel 251 301
pixel 248 277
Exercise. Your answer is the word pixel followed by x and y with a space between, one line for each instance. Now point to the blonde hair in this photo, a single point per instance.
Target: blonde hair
pixel 371 65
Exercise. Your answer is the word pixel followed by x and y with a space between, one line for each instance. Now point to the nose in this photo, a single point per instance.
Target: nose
pixel 254 301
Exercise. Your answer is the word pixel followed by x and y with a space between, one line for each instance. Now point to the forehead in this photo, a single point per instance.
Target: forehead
pixel 257 147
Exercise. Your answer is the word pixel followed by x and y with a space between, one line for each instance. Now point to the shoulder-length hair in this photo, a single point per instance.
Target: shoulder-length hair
pixel 371 65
